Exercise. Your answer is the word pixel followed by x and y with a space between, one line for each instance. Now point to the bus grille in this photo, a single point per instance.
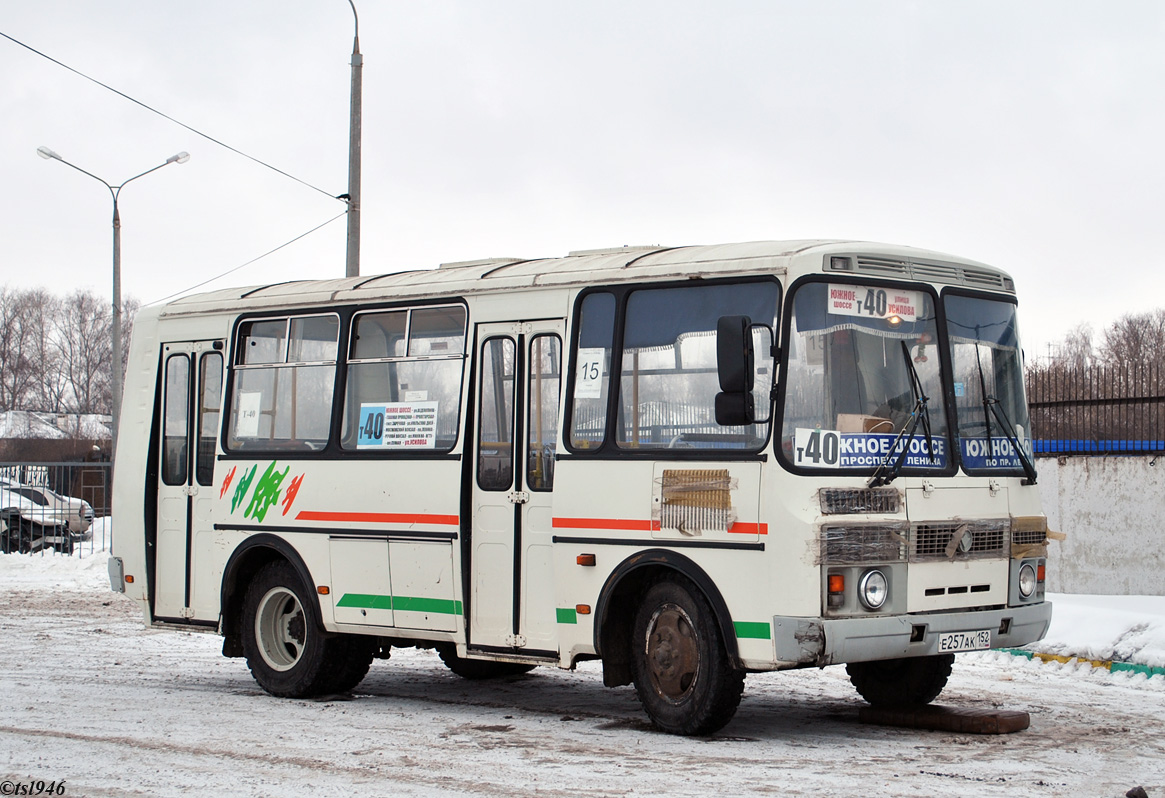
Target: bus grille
pixel 933 541
pixel 854 501
pixel 1028 537
pixel 863 543
pixel 936 272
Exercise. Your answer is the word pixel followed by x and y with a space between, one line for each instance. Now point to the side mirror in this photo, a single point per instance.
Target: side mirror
pixel 734 409
pixel 734 367
pixel 734 355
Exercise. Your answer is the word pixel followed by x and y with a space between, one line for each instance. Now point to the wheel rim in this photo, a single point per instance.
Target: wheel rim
pixel 673 653
pixel 280 628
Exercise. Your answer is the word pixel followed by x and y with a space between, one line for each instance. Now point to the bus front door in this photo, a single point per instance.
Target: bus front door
pixel 519 383
pixel 192 396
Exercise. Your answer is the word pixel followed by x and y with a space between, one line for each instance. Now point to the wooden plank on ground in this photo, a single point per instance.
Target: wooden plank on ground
pixel 948 719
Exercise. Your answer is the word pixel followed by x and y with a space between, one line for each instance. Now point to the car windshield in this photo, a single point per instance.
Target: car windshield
pixel 988 381
pixel 863 383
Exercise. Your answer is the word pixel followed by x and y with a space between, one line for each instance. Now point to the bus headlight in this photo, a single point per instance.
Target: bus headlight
pixel 873 588
pixel 1027 580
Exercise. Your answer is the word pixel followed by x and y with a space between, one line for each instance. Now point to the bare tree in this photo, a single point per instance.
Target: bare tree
pixel 129 311
pixel 16 372
pixel 1136 338
pixel 85 348
pixel 1077 350
pixel 50 387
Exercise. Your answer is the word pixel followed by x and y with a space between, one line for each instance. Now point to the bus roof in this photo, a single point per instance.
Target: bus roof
pixel 599 267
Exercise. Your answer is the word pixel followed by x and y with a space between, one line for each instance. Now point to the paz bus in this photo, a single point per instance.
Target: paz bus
pixel 690 463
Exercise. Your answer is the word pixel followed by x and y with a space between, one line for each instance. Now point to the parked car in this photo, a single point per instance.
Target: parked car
pixel 34 518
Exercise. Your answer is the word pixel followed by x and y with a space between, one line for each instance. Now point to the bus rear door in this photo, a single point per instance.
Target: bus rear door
pixel 192 396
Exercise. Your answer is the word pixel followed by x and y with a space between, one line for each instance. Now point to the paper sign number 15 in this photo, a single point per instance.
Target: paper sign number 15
pixel 589 377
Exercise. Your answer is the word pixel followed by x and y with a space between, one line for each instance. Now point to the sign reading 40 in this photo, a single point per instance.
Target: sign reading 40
pixel 819 448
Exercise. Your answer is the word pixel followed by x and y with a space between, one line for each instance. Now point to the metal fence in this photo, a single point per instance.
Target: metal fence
pixel 1117 409
pixel 89 481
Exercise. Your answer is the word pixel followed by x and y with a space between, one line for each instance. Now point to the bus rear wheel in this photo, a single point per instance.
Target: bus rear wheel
pixel 907 682
pixel 681 670
pixel 289 653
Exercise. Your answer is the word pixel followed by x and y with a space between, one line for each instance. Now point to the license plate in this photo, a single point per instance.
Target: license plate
pixel 951 642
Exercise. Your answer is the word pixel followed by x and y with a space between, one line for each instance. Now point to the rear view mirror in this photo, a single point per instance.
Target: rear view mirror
pixel 734 367
pixel 734 355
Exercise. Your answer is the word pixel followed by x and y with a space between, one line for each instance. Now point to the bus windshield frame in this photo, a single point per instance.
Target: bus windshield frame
pixel 990 407
pixel 863 376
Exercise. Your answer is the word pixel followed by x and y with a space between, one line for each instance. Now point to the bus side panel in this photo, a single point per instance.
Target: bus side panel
pixel 379 535
pixel 611 509
pixel 133 519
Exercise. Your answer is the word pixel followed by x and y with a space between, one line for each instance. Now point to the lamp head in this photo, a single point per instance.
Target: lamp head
pixel 181 157
pixel 47 154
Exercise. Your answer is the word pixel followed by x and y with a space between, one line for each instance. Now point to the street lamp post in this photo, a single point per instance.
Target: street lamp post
pixel 114 191
pixel 352 267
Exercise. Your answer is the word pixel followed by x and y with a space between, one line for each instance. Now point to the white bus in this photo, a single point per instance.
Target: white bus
pixel 691 463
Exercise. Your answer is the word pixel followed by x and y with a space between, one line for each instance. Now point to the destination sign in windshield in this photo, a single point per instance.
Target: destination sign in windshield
pixel 825 448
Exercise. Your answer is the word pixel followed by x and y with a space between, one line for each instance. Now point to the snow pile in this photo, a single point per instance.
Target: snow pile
pixel 22 424
pixel 1120 628
pixel 50 570
pixel 87 572
pixel 54 426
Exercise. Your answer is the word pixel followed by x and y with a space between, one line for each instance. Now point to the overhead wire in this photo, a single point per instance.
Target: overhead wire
pixel 170 118
pixel 248 263
pixel 342 197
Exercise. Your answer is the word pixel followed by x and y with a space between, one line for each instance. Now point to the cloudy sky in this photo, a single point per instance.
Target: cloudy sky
pixel 1027 135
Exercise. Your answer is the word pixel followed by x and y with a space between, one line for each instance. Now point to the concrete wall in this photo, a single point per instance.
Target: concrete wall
pixel 1112 509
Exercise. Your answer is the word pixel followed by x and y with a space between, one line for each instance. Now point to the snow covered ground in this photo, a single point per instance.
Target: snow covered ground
pixel 91 696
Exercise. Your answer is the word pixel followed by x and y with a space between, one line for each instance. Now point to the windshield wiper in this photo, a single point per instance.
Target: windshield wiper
pixel 991 408
pixel 919 414
pixel 1012 438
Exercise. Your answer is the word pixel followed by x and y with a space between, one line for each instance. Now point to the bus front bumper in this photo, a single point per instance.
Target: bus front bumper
pixel 828 641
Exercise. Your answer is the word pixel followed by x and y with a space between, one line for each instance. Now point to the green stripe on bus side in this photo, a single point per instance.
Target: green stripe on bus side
pixel 365 602
pixel 567 615
pixel 400 603
pixel 753 629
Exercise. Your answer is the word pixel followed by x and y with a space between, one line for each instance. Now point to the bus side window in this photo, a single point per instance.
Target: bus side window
pixel 408 362
pixel 175 421
pixel 284 376
pixel 209 405
pixel 592 371
pixel 542 424
pixel 495 448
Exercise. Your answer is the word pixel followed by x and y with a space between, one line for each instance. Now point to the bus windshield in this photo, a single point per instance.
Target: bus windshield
pixel 863 387
pixel 988 381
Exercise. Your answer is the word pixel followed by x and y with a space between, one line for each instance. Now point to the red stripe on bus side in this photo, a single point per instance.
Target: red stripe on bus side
pixel 749 529
pixel 605 523
pixel 378 518
pixel 644 526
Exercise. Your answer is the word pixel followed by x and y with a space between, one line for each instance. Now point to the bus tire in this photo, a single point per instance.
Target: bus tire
pixel 906 682
pixel 682 673
pixel 287 650
pixel 476 669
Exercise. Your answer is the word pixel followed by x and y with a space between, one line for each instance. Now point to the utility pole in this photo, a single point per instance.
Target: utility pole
pixel 353 263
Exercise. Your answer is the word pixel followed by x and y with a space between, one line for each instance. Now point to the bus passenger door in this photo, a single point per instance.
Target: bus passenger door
pixel 519 385
pixel 191 398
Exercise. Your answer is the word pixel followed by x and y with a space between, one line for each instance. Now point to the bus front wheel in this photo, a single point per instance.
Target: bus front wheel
pixel 907 682
pixel 287 650
pixel 682 673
